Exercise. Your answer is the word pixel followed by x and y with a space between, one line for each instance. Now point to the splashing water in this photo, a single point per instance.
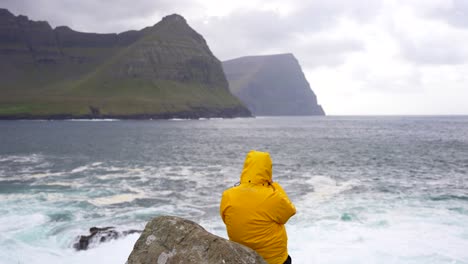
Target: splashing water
pixel 367 190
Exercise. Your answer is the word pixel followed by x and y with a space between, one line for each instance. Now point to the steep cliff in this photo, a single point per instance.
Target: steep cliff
pixel 163 71
pixel 272 85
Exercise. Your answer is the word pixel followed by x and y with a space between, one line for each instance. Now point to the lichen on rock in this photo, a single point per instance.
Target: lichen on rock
pixel 169 240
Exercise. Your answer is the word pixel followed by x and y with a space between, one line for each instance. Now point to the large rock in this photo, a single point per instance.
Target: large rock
pixel 169 239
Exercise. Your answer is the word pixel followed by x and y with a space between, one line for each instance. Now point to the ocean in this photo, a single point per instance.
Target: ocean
pixel 367 189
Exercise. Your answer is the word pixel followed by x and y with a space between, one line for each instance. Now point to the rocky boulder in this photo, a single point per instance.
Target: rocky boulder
pixel 99 235
pixel 169 239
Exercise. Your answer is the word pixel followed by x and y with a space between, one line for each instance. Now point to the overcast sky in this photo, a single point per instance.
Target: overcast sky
pixel 367 57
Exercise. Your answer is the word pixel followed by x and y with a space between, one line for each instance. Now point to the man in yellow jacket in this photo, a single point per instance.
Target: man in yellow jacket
pixel 256 210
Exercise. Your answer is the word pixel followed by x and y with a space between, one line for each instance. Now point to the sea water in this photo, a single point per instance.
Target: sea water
pixel 366 189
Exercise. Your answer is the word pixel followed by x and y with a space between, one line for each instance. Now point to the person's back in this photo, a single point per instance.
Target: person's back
pixel 256 210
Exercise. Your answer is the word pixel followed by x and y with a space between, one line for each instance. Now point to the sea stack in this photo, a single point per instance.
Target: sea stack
pixel 272 85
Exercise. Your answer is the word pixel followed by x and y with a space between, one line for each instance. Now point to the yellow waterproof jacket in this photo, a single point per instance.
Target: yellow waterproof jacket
pixel 256 210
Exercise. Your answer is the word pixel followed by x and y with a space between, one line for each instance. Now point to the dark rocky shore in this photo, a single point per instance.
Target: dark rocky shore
pixel 195 114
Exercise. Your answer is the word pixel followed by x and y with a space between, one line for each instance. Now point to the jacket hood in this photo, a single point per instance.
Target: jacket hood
pixel 257 168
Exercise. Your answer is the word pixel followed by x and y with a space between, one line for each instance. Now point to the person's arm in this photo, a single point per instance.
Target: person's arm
pixel 282 207
pixel 224 205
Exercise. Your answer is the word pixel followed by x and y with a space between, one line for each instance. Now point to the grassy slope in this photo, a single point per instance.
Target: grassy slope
pixel 242 75
pixel 72 88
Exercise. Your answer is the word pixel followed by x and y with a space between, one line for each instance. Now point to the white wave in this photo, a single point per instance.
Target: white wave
pixel 28 174
pixel 115 199
pixel 45 175
pixel 325 187
pixel 113 172
pixel 13 197
pixel 42 196
pixel 81 169
pixel 163 193
pixel 11 223
pixel 115 251
pixel 32 158
pixel 72 183
pixel 407 238
pixel 93 120
pixel 53 197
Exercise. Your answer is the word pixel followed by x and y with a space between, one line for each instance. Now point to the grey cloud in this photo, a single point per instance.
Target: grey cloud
pixel 456 15
pixel 329 46
pixel 437 46
pixel 260 32
pixel 245 33
pixel 241 33
pixel 95 16
pixel 433 53
pixel 436 49
pixel 408 83
pixel 320 15
pixel 327 52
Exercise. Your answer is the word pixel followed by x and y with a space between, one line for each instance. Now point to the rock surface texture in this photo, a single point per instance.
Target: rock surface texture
pixel 170 240
pixel 272 85
pixel 163 71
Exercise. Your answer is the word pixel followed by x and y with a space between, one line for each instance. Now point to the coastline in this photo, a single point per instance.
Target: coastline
pixel 196 114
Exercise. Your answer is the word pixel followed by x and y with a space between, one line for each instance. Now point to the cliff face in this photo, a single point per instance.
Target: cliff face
pixel 272 85
pixel 162 71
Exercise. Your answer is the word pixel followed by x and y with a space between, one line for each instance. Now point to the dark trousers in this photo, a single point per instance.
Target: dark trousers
pixel 288 260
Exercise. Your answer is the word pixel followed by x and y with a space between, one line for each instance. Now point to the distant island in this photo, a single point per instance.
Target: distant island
pixel 272 85
pixel 163 71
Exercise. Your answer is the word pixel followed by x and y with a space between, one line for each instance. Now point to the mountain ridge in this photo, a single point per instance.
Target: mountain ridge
pixel 163 71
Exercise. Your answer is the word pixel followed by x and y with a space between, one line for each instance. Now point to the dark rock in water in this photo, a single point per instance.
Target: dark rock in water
pixel 169 239
pixel 100 235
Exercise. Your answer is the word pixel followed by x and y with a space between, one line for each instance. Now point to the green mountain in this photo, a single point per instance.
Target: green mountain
pixel 272 85
pixel 163 71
